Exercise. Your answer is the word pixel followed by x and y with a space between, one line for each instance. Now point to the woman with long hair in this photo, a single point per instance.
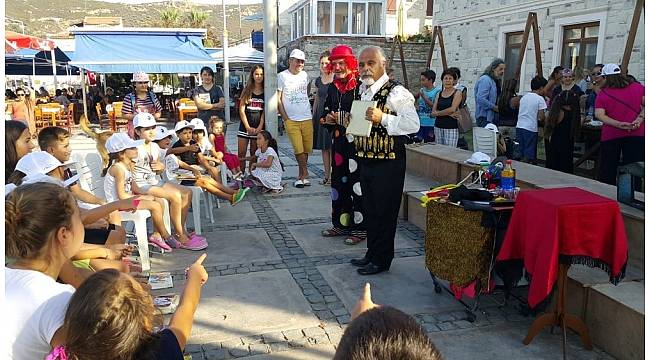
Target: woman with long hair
pixel 620 106
pixel 561 126
pixel 251 114
pixel 508 104
pixel 23 109
pixel 322 136
pixel 486 93
pixel 18 143
pixel 142 99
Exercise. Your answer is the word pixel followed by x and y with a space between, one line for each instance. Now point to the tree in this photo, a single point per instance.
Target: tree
pixel 170 17
pixel 197 18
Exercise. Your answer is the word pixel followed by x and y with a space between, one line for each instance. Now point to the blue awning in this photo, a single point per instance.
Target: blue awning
pixel 148 50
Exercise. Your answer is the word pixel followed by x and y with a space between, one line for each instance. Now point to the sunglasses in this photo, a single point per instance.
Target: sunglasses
pixel 596 74
pixel 20 94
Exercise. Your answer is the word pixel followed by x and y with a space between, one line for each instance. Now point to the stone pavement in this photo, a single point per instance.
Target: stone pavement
pixel 278 290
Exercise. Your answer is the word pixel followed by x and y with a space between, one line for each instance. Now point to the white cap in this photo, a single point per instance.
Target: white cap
pixel 36 178
pixel 120 141
pixel 9 188
pixel 140 77
pixel 479 158
pixel 39 162
pixel 492 127
pixel 161 133
pixel 297 54
pixel 143 120
pixel 610 69
pixel 182 125
pixel 198 124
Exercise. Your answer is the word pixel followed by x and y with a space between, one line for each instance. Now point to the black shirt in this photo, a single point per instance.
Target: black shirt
pixel 163 347
pixel 445 122
pixel 214 94
pixel 188 157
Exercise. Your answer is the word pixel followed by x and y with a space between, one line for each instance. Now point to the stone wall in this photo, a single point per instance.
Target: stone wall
pixel 415 54
pixel 472 30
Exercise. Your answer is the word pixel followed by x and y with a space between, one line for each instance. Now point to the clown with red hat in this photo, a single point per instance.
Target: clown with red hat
pixel 347 208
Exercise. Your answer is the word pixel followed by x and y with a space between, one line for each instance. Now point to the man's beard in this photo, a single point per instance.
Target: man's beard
pixel 368 80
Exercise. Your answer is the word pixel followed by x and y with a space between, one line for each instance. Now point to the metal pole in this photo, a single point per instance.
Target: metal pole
pixel 33 72
pixel 54 67
pixel 226 71
pixel 271 66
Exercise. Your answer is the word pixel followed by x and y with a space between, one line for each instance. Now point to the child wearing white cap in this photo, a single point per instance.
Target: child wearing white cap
pixel 189 157
pixel 146 173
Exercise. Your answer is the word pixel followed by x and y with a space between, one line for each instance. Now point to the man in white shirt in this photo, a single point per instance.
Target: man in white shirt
pixel 531 110
pixel 382 157
pixel 293 105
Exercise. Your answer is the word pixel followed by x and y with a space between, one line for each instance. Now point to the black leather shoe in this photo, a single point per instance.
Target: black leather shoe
pixel 360 262
pixel 371 269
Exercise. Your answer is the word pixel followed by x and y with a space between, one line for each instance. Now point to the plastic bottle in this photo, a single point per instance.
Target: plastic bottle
pixel 508 180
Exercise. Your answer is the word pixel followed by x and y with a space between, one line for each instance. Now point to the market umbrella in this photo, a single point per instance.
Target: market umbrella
pixel 23 41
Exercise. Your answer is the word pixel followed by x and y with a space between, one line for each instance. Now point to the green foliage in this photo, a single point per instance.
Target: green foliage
pixel 197 18
pixel 170 17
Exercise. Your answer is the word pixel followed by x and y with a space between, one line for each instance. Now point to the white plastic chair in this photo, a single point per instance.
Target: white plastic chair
pixel 485 141
pixel 89 168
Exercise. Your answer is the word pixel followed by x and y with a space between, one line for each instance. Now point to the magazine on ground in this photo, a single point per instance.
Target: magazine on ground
pixel 161 280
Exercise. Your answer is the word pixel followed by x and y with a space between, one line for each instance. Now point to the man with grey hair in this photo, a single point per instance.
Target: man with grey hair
pixel 486 93
pixel 382 157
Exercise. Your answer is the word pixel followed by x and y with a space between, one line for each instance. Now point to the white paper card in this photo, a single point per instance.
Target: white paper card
pixel 359 126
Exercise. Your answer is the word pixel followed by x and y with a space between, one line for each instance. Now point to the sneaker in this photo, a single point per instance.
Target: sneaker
pixel 158 241
pixel 201 238
pixel 195 243
pixel 299 184
pixel 173 242
pixel 306 182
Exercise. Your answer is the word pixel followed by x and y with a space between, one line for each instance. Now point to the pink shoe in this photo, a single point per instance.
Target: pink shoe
pixel 173 242
pixel 195 235
pixel 195 243
pixel 158 241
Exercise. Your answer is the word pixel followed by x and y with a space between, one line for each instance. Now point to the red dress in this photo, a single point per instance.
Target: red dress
pixel 231 160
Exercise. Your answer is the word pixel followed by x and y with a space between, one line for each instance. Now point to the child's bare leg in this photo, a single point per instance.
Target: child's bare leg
pixel 156 210
pixel 175 198
pixel 117 236
pixel 101 264
pixel 115 218
pixel 212 186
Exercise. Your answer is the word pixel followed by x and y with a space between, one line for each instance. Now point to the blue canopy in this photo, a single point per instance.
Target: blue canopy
pixel 31 65
pixel 149 50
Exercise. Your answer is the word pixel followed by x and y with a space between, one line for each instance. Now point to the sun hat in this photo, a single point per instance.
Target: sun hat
pixel 39 162
pixel 297 54
pixel 479 158
pixel 36 178
pixel 182 125
pixel 198 124
pixel 610 69
pixel 143 120
pixel 119 142
pixel 161 133
pixel 140 76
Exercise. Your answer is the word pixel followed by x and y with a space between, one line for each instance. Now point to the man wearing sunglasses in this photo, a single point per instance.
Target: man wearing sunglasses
pixel 23 109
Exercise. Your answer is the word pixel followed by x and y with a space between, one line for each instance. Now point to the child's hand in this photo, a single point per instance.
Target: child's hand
pixel 130 204
pixel 194 148
pixel 197 173
pixel 157 166
pixel 117 252
pixel 364 303
pixel 253 166
pixel 197 271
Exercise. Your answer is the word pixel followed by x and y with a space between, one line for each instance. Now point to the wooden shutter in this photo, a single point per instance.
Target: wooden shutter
pixel 391 7
pixel 429 7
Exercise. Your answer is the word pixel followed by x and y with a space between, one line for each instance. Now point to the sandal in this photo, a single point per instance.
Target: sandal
pixel 326 181
pixel 353 240
pixel 333 232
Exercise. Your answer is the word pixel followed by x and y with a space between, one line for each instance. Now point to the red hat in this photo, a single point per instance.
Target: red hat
pixel 341 52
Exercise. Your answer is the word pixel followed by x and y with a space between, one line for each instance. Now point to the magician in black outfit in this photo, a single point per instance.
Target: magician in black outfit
pixel 382 158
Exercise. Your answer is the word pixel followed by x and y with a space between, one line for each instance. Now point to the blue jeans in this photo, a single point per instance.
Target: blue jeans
pixel 426 133
pixel 527 145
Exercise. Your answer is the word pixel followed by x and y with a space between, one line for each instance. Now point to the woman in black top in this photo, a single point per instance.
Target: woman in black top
pixel 322 136
pixel 561 126
pixel 208 97
pixel 251 114
pixel 446 103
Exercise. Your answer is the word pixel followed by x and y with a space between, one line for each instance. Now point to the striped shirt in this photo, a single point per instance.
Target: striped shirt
pixel 149 104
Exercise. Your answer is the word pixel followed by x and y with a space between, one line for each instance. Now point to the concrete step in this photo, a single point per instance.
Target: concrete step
pixel 614 314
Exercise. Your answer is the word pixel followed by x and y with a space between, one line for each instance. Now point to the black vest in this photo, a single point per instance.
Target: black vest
pixel 380 145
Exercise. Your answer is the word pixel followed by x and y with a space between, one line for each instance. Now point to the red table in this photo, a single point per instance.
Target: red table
pixel 553 228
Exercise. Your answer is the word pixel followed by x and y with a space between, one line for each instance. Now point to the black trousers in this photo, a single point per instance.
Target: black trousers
pixel 382 184
pixel 631 148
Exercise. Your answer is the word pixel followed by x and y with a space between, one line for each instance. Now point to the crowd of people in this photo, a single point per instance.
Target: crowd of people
pixel 68 278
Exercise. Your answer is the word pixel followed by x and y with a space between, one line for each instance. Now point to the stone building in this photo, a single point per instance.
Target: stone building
pixel 573 33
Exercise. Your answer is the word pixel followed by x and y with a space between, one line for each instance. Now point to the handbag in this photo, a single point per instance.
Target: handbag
pixel 465 121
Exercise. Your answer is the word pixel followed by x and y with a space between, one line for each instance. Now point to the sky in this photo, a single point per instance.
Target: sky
pixel 205 2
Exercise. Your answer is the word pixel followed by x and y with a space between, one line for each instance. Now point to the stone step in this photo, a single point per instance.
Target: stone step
pixel 614 314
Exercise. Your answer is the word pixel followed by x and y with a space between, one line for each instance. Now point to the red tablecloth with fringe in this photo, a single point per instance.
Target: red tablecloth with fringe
pixel 570 225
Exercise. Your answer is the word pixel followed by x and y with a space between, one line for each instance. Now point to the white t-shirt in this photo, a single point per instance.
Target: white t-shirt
pixel 529 106
pixel 294 95
pixel 205 145
pixel 35 307
pixel 142 172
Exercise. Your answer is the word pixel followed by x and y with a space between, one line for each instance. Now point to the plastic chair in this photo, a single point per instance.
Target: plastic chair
pixel 485 141
pixel 89 169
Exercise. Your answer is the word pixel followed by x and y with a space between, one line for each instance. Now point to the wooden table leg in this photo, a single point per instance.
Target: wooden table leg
pixel 559 317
